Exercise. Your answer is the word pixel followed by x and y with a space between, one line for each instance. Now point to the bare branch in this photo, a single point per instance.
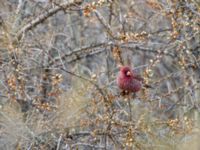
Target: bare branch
pixel 46 15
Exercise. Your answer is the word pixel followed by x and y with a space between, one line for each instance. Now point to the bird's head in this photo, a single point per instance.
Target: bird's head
pixel 126 71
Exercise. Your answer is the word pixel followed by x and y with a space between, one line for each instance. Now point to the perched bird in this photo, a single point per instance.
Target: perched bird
pixel 128 80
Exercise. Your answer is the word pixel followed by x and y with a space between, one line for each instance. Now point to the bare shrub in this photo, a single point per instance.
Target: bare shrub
pixel 59 61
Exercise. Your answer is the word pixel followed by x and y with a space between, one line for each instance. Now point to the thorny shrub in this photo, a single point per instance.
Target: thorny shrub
pixel 59 61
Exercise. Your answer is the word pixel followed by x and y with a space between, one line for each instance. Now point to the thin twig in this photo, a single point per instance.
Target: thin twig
pixel 46 15
pixel 130 110
pixel 90 81
pixel 59 140
pixel 105 24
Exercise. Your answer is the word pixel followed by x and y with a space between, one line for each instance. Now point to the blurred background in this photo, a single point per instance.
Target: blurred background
pixel 59 60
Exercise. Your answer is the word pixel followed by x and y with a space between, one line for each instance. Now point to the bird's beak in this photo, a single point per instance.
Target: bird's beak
pixel 128 73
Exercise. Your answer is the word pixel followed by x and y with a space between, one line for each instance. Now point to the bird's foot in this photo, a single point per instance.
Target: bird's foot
pixel 124 93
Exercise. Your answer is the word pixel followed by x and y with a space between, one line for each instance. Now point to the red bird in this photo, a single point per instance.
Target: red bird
pixel 128 80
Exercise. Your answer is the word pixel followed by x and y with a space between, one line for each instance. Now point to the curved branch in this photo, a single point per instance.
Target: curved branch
pixel 46 15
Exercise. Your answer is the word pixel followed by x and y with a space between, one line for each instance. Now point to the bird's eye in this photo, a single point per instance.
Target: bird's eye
pixel 128 73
